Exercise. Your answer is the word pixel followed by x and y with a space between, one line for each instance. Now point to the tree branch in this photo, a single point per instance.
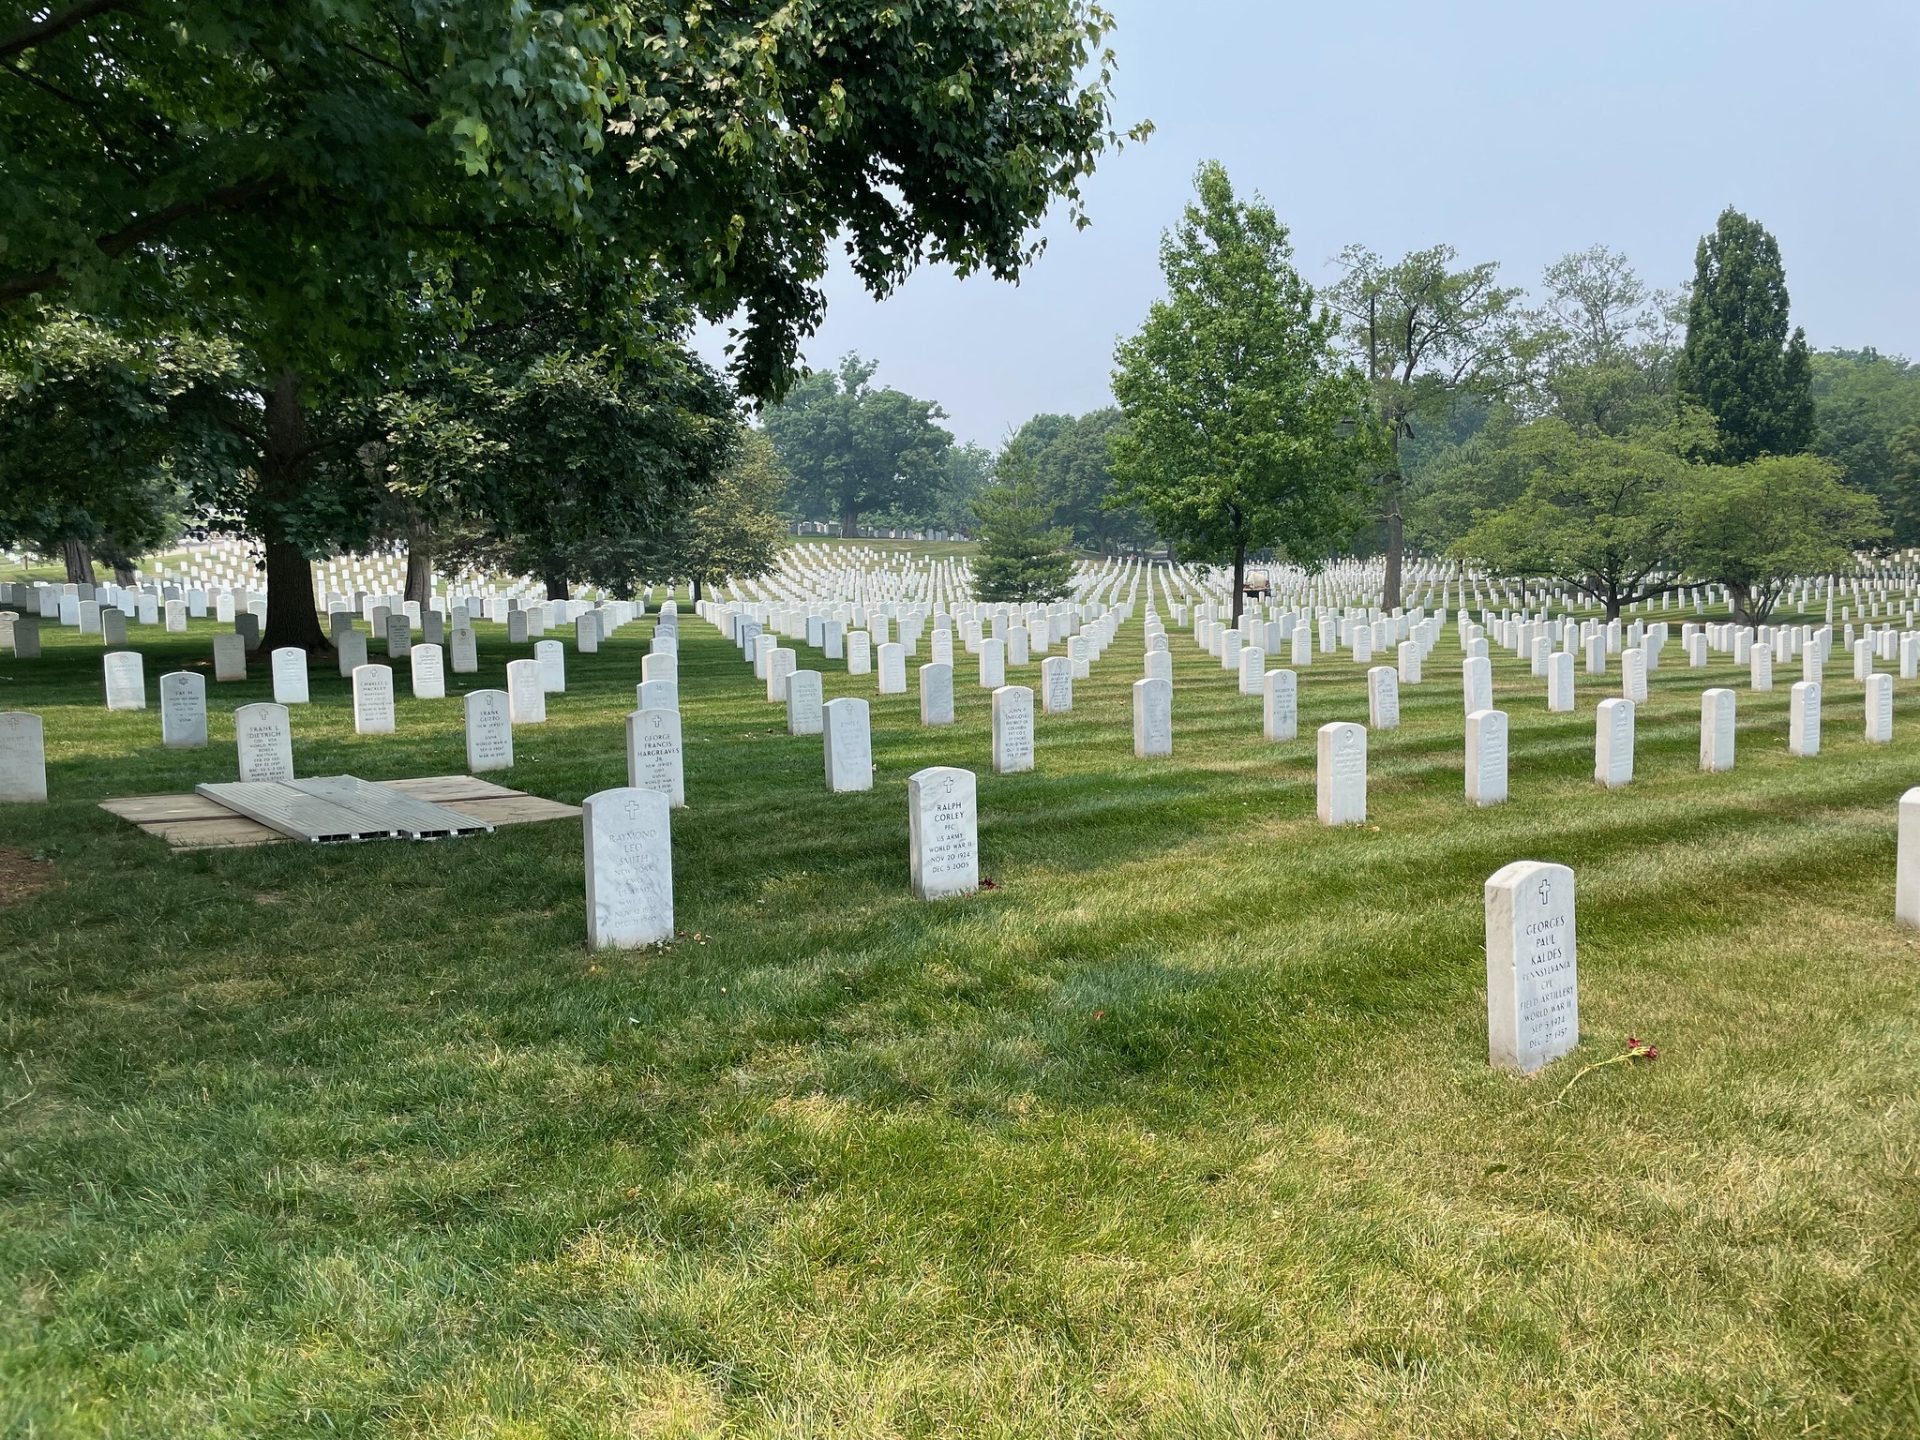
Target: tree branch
pixel 18 287
pixel 38 32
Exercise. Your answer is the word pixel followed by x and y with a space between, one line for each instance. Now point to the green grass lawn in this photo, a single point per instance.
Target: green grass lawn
pixel 1184 1130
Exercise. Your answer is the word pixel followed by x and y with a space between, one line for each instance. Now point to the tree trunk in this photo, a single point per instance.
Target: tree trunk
pixel 556 587
pixel 1239 580
pixel 419 562
pixel 79 562
pixel 849 523
pixel 293 619
pixel 1741 599
pixel 1396 547
pixel 696 589
pixel 123 575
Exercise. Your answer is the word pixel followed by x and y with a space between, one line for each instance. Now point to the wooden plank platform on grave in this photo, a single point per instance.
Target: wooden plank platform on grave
pixel 197 822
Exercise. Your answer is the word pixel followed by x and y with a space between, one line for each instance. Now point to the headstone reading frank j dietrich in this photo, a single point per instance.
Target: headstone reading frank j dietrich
pixel 942 832
pixel 629 864
pixel 489 731
pixel 1533 995
pixel 264 740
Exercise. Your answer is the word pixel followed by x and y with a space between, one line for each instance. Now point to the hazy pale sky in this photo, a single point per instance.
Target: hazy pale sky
pixel 1513 131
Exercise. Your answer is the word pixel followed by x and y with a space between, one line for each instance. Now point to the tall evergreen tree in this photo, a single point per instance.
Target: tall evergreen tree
pixel 1023 556
pixel 1739 364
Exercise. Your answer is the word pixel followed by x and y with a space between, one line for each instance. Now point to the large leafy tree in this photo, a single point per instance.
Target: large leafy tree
pixel 1739 363
pixel 1245 430
pixel 854 448
pixel 598 463
pixel 102 440
pixel 293 174
pixel 1864 402
pixel 1602 345
pixel 1595 512
pixel 1754 527
pixel 1427 330
pixel 1072 459
pixel 969 469
pixel 734 526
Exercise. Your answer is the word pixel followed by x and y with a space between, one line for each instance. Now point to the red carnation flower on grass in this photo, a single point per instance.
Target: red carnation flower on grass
pixel 1637 1049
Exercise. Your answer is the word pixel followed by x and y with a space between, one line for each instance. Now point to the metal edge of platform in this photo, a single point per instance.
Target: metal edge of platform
pixel 295 813
pixel 381 805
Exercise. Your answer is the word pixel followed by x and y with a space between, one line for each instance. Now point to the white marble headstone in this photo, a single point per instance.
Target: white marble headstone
pixel 1341 779
pixel 526 694
pixel 289 667
pixel 1280 705
pixel 1533 991
pixel 373 700
pixel 465 651
pixel 1803 719
pixel 804 702
pixel 429 675
pixel 1152 718
pixel 183 710
pixel 1716 729
pixel 936 694
pixel 1613 743
pixel 23 758
pixel 551 657
pixel 263 738
pixel 489 717
pixel 1056 684
pixel 1487 757
pixel 942 832
pixel 126 673
pixel 1012 729
pixel 654 756
pixel 848 743
pixel 629 865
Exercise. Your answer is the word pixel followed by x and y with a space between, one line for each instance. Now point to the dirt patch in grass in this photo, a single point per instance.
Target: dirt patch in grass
pixel 22 876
